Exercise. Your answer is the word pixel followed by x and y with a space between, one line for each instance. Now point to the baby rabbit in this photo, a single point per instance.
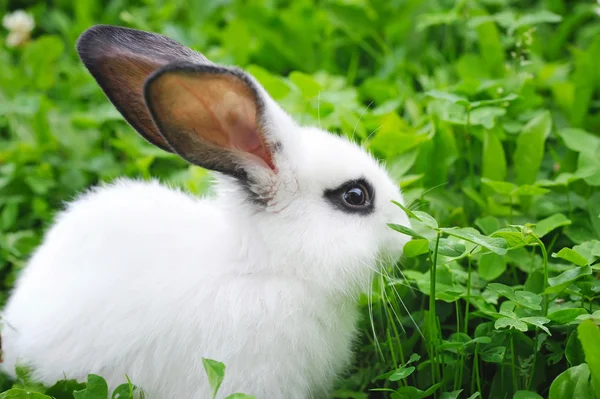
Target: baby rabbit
pixel 138 279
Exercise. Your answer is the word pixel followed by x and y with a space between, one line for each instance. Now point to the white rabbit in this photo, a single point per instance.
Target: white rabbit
pixel 141 279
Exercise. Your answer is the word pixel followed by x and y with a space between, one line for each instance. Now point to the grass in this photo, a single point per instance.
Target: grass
pixel 486 112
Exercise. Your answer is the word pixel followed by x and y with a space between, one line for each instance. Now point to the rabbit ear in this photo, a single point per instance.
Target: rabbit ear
pixel 121 59
pixel 212 116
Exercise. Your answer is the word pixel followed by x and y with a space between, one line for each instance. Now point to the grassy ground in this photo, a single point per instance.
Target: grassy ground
pixel 486 111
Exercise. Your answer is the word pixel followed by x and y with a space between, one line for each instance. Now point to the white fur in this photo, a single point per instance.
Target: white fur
pixel 136 278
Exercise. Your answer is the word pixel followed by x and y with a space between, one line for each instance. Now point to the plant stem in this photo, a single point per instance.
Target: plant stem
pixel 545 260
pixel 476 368
pixel 469 146
pixel 391 343
pixel 432 315
pixel 458 370
pixel 513 361
pixel 569 203
pixel 397 335
pixel 551 245
pixel 456 377
pixel 466 323
pixel 534 359
pixel 456 305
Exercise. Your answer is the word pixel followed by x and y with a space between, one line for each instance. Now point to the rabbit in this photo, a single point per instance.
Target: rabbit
pixel 138 279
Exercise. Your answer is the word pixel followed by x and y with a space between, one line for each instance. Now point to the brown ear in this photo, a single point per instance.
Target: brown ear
pixel 121 59
pixel 211 116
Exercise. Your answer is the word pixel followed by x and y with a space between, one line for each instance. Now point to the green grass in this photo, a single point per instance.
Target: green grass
pixel 486 112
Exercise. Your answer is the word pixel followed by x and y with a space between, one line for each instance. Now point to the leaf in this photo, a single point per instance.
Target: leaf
pixel 504 322
pixel 17 393
pixel 514 239
pixel 215 372
pixel 526 395
pixel 530 148
pixel 447 247
pixel 393 144
pixel 565 179
pixel 25 380
pixel 500 187
pixel 528 190
pixel 589 335
pixel 404 230
pixel 426 219
pixel 591 164
pixel 488 224
pixel 537 17
pixel 572 383
pixel 479 340
pixel 589 249
pixel 486 116
pixel 585 66
pixel 538 322
pixel 274 85
pixel 451 395
pixel 402 373
pixel 594 212
pixel 307 85
pixel 490 45
pixel 501 100
pixel 416 247
pixel 571 256
pixel 574 350
pixel 64 389
pixel 123 391
pixel 550 223
pixel 580 141
pixel 240 396
pixel 41 58
pixel 566 278
pixel 493 159
pixel 491 266
pixel 503 290
pixel 528 300
pixel 494 355
pixel 496 245
pixel 564 316
pixel 438 18
pixel 453 98
pixel 96 388
pixel 408 212
pixel 415 357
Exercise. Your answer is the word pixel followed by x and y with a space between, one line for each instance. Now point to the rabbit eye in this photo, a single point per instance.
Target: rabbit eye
pixel 355 196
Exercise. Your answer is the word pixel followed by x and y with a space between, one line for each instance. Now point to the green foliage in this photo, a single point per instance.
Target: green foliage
pixel 484 111
pixel 589 335
pixel 95 388
pixel 215 372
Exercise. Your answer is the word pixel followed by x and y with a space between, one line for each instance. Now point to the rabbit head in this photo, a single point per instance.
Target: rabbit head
pixel 313 204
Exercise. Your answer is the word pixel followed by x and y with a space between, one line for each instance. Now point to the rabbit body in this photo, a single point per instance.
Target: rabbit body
pixel 174 288
pixel 138 279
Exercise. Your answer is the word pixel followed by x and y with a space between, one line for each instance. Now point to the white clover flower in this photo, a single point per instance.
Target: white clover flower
pixel 15 39
pixel 18 21
pixel 19 25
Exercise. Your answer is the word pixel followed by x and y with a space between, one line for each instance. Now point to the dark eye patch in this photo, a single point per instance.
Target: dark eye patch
pixel 353 196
